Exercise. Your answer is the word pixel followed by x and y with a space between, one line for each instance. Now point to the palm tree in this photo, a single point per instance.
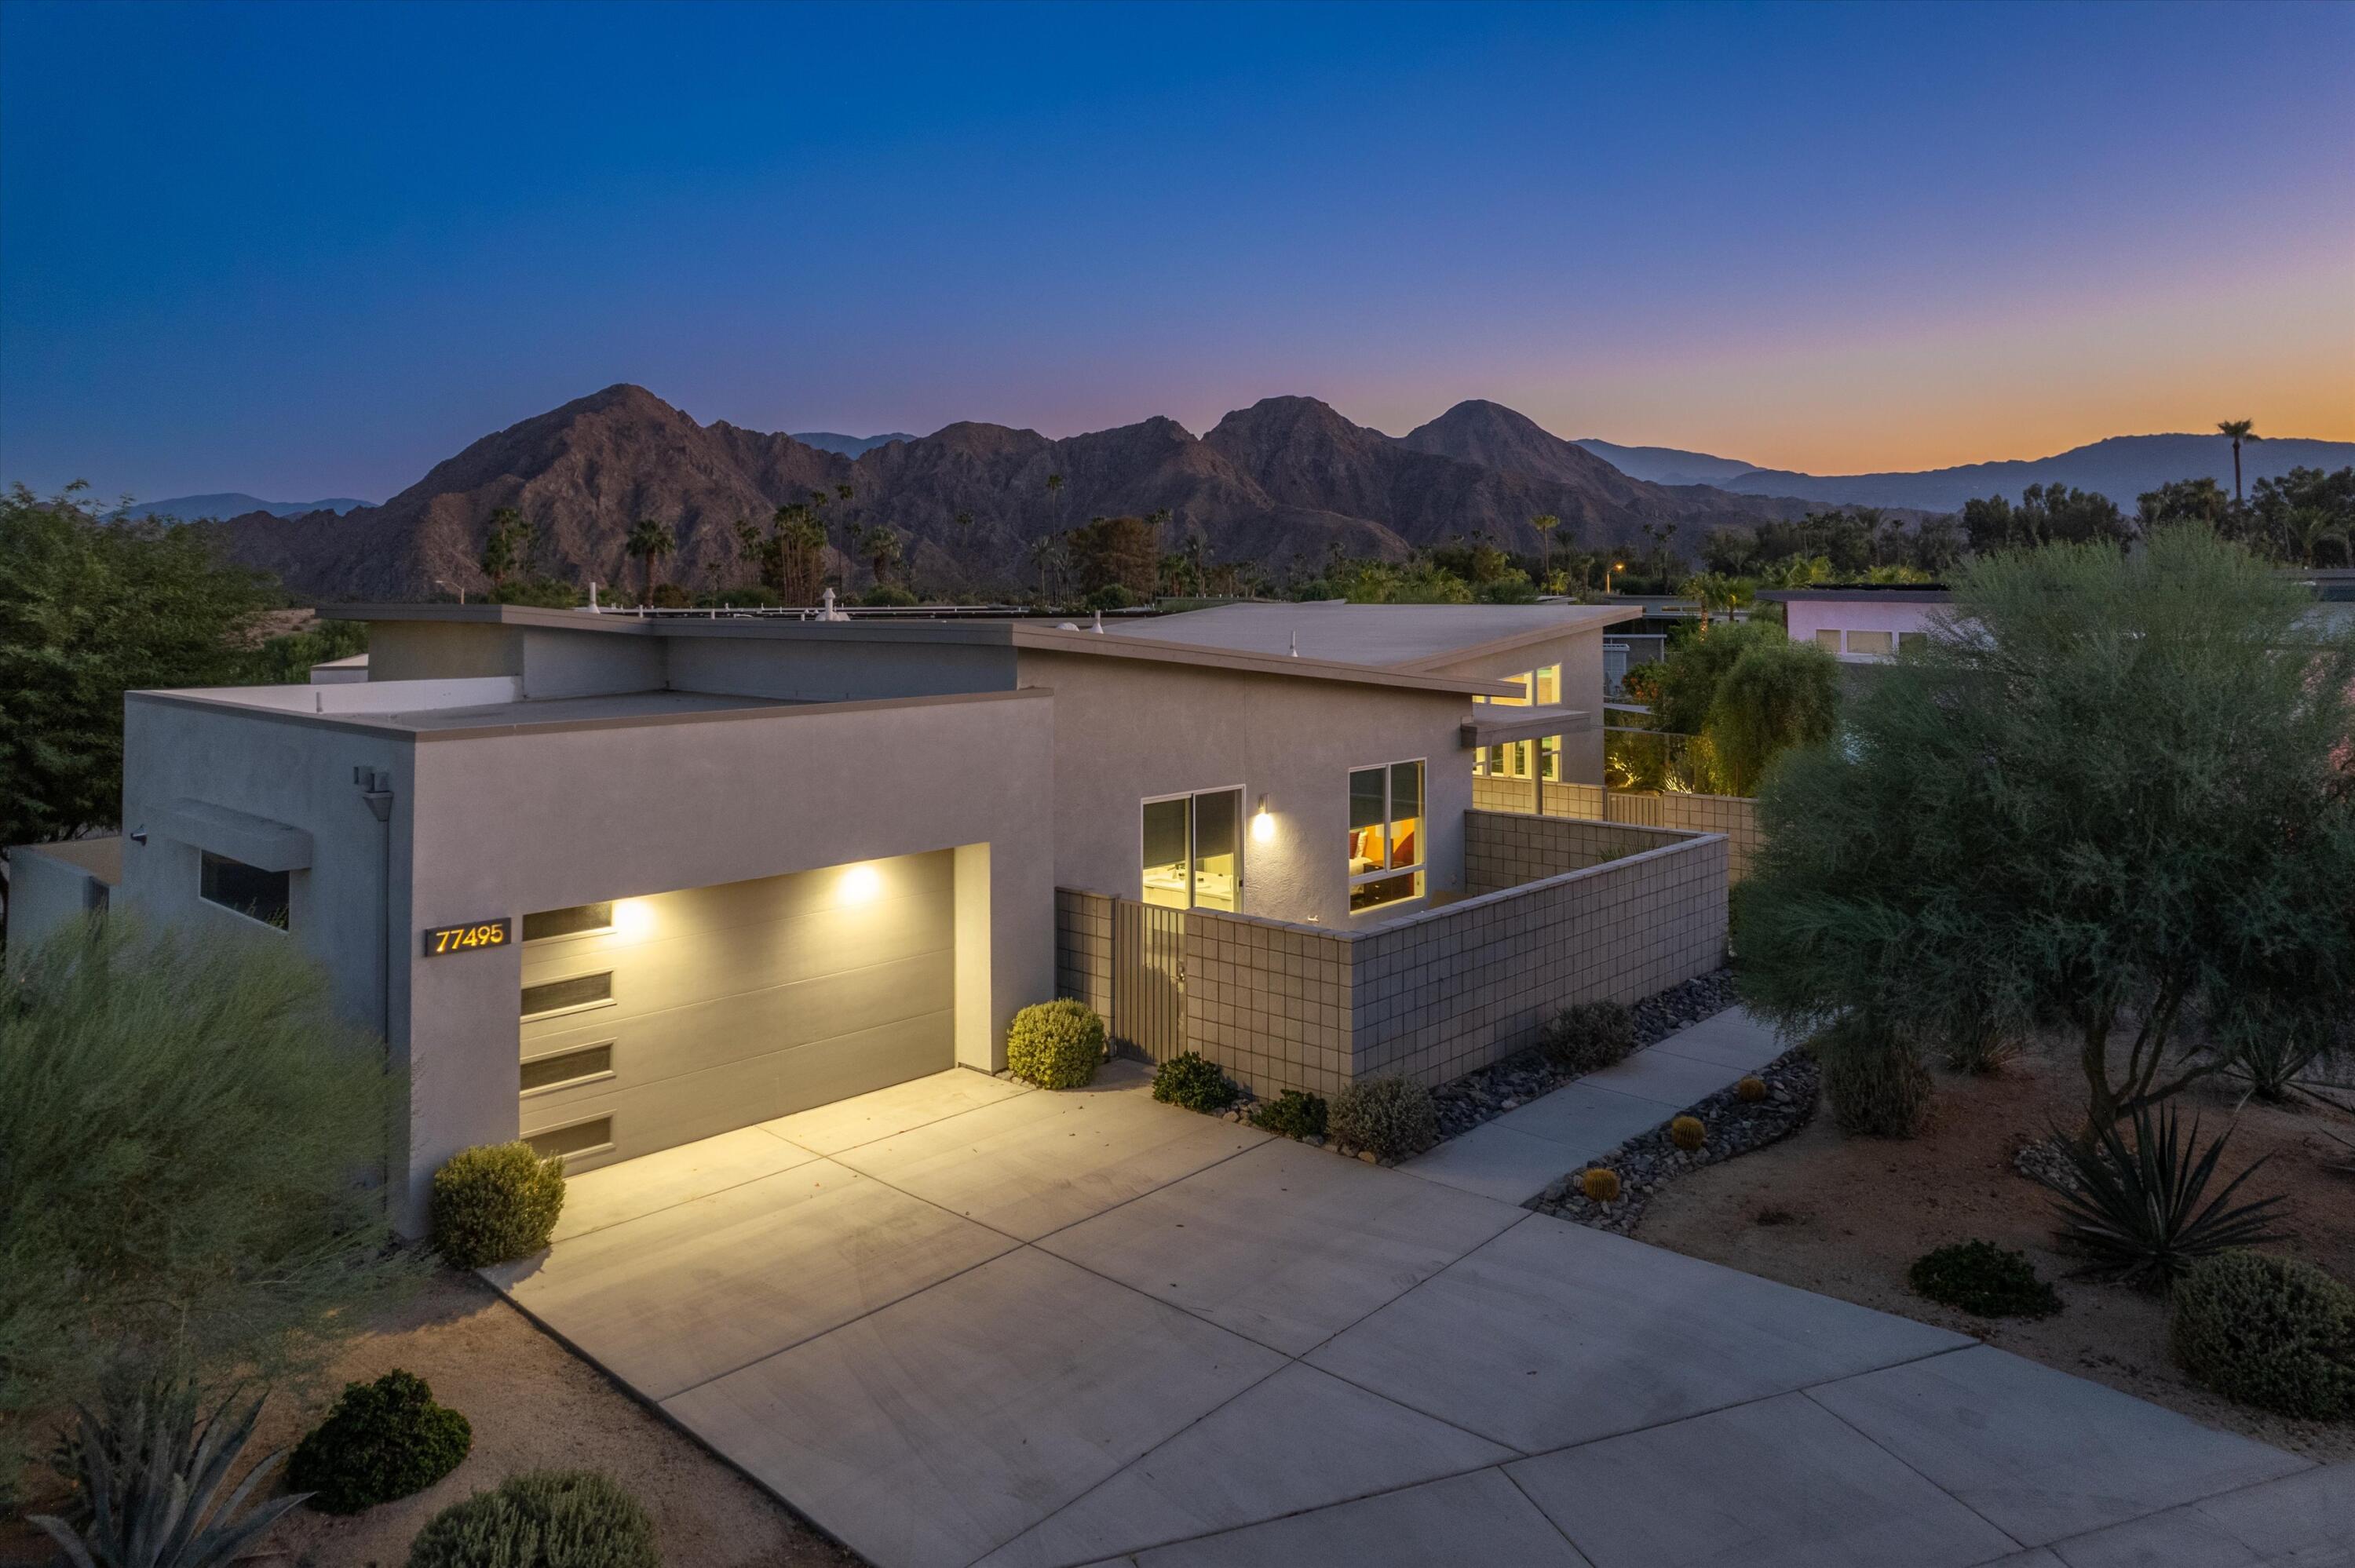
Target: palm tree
pixel 1545 522
pixel 650 541
pixel 2239 430
pixel 1714 591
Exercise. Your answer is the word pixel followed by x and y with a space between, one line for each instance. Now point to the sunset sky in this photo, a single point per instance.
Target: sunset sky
pixel 310 250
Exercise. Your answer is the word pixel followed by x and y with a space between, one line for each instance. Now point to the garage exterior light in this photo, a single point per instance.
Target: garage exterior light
pixel 860 883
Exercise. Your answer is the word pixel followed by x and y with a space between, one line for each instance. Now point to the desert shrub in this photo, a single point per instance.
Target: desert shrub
pixel 181 1119
pixel 1055 1045
pixel 1981 1279
pixel 1751 1088
pixel 542 1518
pixel 2136 1210
pixel 1877 1084
pixel 1294 1113
pixel 1391 1118
pixel 1687 1133
pixel 496 1201
pixel 1977 1048
pixel 888 596
pixel 382 1441
pixel 153 1483
pixel 2273 1051
pixel 1600 1184
pixel 2268 1331
pixel 1193 1081
pixel 1586 1036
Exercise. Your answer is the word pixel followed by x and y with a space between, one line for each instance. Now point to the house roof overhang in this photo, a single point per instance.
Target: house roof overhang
pixel 1493 724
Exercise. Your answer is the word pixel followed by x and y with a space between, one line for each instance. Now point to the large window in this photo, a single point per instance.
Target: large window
pixel 1540 758
pixel 256 894
pixel 1193 851
pixel 1386 834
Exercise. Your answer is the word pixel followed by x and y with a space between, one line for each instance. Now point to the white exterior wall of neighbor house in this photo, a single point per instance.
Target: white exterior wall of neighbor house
pixel 1807 617
pixel 503 821
pixel 1127 729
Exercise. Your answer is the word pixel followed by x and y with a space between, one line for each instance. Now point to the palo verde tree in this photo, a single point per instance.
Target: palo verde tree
pixel 2111 799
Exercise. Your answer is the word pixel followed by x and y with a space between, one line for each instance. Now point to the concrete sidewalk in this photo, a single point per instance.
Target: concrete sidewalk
pixel 1512 1158
pixel 960 1322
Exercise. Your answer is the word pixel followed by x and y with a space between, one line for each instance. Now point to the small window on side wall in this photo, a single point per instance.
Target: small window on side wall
pixel 256 894
pixel 1872 642
pixel 1830 641
pixel 1386 836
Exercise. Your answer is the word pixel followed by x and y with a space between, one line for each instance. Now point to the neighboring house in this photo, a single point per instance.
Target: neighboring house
pixel 617 882
pixel 1861 624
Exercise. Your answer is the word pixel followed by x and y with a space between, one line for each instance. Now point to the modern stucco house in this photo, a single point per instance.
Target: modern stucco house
pixel 616 882
pixel 1860 623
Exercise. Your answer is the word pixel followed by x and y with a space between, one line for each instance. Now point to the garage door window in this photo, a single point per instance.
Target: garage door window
pixel 580 1138
pixel 569 995
pixel 573 922
pixel 568 1067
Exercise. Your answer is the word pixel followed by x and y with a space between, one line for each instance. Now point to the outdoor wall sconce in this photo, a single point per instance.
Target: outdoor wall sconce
pixel 1262 825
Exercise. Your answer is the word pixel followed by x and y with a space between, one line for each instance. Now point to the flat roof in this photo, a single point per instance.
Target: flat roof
pixel 1402 637
pixel 1142 639
pixel 1913 593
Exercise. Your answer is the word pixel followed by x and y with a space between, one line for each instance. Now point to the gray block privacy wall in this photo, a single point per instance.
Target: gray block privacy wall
pixel 1735 816
pixel 1438 994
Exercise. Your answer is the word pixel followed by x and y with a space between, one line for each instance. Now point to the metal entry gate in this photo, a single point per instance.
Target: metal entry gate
pixel 1148 979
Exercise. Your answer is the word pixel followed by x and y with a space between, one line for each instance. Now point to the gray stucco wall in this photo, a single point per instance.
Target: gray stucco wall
pixel 1128 729
pixel 1579 654
pixel 51 887
pixel 489 824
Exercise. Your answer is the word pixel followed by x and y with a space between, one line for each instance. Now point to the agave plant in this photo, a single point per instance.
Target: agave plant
pixel 2136 1210
pixel 152 1480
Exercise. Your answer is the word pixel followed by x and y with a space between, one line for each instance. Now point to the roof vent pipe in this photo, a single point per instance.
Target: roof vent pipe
pixel 1098 626
pixel 1295 642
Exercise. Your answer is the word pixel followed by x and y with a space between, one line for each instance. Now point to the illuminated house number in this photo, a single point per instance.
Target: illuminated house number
pixel 466 938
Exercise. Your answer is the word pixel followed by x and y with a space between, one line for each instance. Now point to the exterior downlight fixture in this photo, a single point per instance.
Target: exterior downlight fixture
pixel 1262 825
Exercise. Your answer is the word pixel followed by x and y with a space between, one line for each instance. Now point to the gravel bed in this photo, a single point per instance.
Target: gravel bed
pixel 1490 1092
pixel 1650 1160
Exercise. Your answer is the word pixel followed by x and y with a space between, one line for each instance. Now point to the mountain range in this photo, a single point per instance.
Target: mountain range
pixel 2123 468
pixel 229 504
pixel 849 446
pixel 1280 483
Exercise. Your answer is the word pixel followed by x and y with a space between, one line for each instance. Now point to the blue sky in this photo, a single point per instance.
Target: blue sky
pixel 312 249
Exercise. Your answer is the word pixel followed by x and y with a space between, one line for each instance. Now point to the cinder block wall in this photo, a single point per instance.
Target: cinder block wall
pixel 1735 816
pixel 1442 994
pixel 1083 949
pixel 1503 794
pixel 1505 850
pixel 1269 1002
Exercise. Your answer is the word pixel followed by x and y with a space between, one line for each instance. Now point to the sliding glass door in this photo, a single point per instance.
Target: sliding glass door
pixel 1192 851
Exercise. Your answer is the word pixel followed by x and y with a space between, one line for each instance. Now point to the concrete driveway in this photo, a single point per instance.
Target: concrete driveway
pixel 960 1321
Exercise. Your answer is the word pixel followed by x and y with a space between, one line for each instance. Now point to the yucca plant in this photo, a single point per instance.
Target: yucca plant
pixel 152 1480
pixel 2137 1210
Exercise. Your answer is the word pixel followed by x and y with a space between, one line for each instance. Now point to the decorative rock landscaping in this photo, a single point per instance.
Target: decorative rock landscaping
pixel 1517 1080
pixel 1731 1125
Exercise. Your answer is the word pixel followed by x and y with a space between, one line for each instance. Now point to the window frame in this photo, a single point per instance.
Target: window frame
pixel 205 859
pixel 600 1076
pixel 611 998
pixel 1420 869
pixel 1193 841
pixel 607 930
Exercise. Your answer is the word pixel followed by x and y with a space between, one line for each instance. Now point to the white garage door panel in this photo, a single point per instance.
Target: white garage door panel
pixel 699 1105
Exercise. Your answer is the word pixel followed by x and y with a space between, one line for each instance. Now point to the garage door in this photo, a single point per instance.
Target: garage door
pixel 653 1022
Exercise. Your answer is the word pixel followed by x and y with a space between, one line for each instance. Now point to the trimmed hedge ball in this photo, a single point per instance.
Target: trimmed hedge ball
pixel 495 1202
pixel 1055 1045
pixel 2268 1331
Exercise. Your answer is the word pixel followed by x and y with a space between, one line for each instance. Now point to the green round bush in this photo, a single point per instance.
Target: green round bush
pixel 1873 1078
pixel 1588 1036
pixel 1981 1279
pixel 1055 1045
pixel 1294 1113
pixel 1389 1117
pixel 1193 1081
pixel 2268 1331
pixel 496 1201
pixel 382 1441
pixel 543 1519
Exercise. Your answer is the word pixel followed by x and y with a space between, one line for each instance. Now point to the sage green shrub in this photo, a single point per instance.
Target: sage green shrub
pixel 1193 1081
pixel 1389 1118
pixel 542 1518
pixel 495 1203
pixel 2268 1331
pixel 1587 1036
pixel 1874 1079
pixel 1055 1045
